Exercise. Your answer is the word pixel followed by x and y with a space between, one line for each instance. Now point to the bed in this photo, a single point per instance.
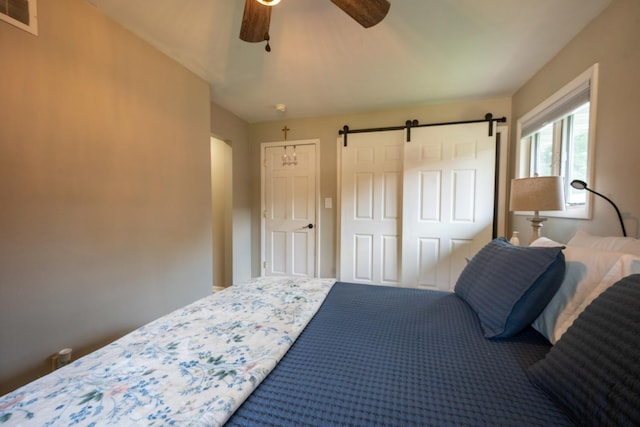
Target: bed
pixel 292 351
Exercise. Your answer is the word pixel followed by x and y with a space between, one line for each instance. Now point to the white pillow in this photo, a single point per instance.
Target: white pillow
pixel 586 270
pixel 628 245
pixel 626 265
pixel 546 242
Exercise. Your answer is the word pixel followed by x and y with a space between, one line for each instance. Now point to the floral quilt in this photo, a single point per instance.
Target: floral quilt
pixel 192 367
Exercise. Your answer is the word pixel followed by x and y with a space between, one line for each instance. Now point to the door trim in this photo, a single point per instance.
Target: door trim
pixel 317 228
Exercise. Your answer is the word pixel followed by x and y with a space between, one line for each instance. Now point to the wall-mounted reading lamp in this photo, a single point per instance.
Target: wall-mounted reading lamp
pixel 581 185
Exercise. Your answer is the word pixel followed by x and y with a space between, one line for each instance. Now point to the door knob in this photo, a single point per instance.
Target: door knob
pixel 309 226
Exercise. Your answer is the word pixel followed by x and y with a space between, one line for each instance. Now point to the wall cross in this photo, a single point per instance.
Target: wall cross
pixel 286 130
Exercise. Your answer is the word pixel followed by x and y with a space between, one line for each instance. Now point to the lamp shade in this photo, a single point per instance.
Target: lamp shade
pixel 540 193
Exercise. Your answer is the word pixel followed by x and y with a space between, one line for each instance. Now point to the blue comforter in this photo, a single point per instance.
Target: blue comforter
pixel 388 356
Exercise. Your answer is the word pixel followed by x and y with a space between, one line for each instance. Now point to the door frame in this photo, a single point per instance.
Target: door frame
pixel 316 230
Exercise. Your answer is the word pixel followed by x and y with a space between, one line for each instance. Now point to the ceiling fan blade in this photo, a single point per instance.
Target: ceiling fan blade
pixel 366 12
pixel 255 22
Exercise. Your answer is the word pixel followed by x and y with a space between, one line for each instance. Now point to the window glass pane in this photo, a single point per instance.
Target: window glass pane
pixel 542 155
pixel 578 153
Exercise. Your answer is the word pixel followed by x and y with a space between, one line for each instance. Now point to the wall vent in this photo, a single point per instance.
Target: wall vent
pixel 21 13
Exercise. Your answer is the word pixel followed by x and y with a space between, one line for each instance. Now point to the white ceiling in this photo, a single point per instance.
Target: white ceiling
pixel 322 62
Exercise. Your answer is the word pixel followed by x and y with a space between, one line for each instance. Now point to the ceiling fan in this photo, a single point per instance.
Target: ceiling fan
pixel 257 16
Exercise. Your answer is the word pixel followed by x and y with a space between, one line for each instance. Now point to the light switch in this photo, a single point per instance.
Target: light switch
pixel 328 203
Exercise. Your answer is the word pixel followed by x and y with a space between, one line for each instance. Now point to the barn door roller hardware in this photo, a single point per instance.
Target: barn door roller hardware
pixel 409 124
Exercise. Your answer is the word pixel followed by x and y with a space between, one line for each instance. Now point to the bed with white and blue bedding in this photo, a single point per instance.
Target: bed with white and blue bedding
pixel 293 352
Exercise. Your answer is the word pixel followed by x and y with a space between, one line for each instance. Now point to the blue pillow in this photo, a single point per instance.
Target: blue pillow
pixel 508 286
pixel 593 371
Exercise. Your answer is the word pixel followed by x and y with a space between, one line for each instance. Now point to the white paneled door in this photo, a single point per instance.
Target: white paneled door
pixel 412 212
pixel 371 206
pixel 289 209
pixel 449 181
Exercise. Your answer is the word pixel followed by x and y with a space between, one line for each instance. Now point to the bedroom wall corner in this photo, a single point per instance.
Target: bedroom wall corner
pixel 104 186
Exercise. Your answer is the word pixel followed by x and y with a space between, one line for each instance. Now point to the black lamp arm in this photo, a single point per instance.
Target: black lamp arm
pixel 624 231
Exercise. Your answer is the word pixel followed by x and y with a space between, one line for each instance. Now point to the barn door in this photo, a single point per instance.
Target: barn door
pixel 413 212
pixel 289 209
pixel 449 175
pixel 371 208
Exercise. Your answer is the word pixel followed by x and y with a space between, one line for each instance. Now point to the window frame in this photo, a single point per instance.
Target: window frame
pixel 524 147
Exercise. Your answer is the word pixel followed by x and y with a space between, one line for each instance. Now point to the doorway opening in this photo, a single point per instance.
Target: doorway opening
pixel 221 213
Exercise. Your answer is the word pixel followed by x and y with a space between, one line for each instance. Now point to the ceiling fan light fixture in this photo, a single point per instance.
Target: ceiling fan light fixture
pixel 268 2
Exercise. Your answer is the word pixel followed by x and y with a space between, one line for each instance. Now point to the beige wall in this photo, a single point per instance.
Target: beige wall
pixel 105 199
pixel 326 129
pixel 612 40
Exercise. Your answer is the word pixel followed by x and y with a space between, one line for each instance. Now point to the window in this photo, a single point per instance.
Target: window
pixel 557 139
pixel 21 13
